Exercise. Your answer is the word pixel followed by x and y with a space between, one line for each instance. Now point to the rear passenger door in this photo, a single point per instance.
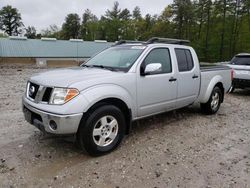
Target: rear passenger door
pixel 188 78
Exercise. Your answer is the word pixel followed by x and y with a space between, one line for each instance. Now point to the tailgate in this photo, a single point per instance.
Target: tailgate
pixel 241 71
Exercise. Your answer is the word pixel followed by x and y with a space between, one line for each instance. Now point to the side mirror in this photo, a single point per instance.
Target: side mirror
pixel 151 69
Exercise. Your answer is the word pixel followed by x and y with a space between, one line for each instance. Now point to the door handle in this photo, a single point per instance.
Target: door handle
pixel 195 76
pixel 172 79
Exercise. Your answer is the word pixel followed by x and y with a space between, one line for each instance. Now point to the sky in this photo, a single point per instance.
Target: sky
pixel 42 13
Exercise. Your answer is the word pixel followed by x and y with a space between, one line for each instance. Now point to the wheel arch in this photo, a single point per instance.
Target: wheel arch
pixel 216 81
pixel 116 102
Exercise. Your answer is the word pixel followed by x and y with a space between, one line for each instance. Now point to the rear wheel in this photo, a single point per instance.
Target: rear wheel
pixel 102 131
pixel 214 102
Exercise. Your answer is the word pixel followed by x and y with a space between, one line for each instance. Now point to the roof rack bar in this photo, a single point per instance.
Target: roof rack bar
pixel 154 40
pixel 167 41
pixel 126 41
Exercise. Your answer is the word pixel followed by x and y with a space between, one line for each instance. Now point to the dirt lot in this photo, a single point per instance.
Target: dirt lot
pixel 181 149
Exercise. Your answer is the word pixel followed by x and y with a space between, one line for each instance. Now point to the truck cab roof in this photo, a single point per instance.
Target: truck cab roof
pixel 152 45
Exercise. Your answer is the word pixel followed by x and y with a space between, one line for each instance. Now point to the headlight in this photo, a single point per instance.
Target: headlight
pixel 63 95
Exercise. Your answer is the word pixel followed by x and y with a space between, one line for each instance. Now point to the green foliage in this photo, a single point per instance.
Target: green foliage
pixel 89 27
pixel 71 27
pixel 113 24
pixel 137 13
pixel 52 32
pixel 183 17
pixel 217 29
pixel 10 20
pixel 30 32
pixel 3 35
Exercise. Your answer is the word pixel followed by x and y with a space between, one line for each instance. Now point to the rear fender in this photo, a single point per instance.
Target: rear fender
pixel 206 95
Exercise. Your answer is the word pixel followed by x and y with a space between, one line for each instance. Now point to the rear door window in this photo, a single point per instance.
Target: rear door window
pixel 184 60
pixel 241 60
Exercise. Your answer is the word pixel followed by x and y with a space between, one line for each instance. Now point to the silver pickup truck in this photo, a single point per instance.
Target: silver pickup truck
pixel 241 66
pixel 98 100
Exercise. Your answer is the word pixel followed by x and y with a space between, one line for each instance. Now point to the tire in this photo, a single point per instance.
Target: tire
pixel 214 102
pixel 102 130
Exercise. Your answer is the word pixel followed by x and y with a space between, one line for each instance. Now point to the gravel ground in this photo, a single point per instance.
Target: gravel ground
pixel 176 149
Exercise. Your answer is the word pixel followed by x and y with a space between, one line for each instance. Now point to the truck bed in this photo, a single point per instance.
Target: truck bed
pixel 212 67
pixel 210 74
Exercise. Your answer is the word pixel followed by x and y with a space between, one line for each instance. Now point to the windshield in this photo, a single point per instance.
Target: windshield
pixel 121 58
pixel 241 60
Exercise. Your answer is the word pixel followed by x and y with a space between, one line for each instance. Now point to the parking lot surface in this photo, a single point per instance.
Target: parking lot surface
pixel 176 149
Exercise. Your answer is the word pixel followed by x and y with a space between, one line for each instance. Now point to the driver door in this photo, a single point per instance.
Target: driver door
pixel 156 91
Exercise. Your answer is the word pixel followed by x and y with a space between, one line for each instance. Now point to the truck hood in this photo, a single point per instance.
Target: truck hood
pixel 68 76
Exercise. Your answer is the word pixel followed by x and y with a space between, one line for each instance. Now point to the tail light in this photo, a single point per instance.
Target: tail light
pixel 232 74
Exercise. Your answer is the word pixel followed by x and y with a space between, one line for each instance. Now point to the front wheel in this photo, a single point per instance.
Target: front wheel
pixel 214 102
pixel 102 131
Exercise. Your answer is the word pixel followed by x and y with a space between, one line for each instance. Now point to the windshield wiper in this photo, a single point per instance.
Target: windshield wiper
pixel 103 67
pixel 100 66
pixel 84 65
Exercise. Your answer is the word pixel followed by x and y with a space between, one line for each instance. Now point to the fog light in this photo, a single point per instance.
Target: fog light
pixel 53 125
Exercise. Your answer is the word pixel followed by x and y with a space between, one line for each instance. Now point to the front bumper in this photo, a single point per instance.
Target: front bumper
pixel 65 124
pixel 241 83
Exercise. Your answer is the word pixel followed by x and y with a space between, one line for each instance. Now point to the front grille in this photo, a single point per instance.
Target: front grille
pixel 47 94
pixel 38 93
pixel 32 90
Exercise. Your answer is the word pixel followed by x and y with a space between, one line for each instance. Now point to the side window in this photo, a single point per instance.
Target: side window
pixel 189 59
pixel 184 60
pixel 162 56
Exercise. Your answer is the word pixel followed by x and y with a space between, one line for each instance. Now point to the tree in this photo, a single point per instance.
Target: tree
pixel 208 7
pixel 200 15
pixel 183 15
pixel 88 16
pixel 3 35
pixel 137 13
pixel 247 6
pixel 113 23
pixel 52 32
pixel 238 11
pixel 71 26
pixel 137 23
pixel 217 29
pixel 30 32
pixel 125 24
pixel 163 25
pixel 125 15
pixel 222 9
pixel 10 20
pixel 114 13
pixel 89 27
